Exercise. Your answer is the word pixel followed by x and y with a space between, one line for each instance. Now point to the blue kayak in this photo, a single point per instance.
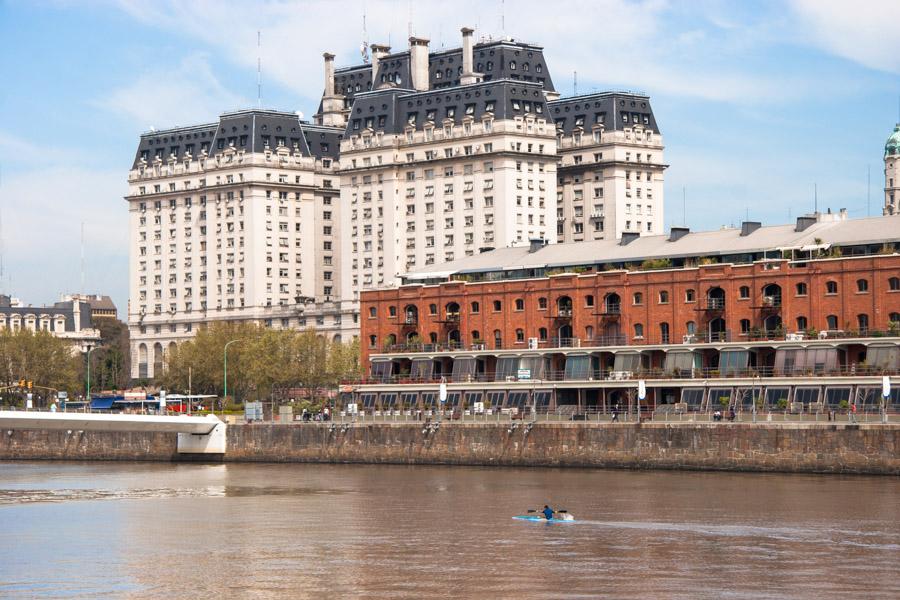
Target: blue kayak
pixel 569 519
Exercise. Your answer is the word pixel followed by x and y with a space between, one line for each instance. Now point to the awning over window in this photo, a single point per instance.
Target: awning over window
pixel 102 403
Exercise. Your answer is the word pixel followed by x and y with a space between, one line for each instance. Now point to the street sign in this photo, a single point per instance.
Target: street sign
pixel 62 395
pixel 524 374
pixel 28 402
pixel 479 407
pixel 642 389
pixel 352 408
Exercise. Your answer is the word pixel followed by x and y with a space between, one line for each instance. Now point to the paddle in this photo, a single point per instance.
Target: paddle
pixel 534 510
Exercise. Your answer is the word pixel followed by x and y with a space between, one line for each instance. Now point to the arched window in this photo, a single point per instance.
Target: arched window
pixel 638 331
pixel 392 311
pixel 432 338
pixel 589 332
pixel 831 287
pixel 526 66
pixel 802 324
pixel 520 335
pixel 542 333
pixel 664 333
pixel 512 65
pixel 411 314
pixel 520 304
pixel 542 303
pixel 452 309
pixel 498 339
pixel 801 289
pixel 863 322
pixel 664 297
pixel 476 336
pixel 831 322
pixel 744 292
pixel 894 284
pixel 637 298
pixel 690 295
pixel 612 304
pixel 432 309
pixel 476 307
pixel 498 306
pixel 862 285
pixel 142 360
pixel 373 341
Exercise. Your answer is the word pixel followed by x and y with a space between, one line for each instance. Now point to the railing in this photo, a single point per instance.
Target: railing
pixel 622 340
pixel 612 308
pixel 699 374
pixel 715 304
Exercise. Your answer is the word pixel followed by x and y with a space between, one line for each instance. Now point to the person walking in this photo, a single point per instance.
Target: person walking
pixel 615 413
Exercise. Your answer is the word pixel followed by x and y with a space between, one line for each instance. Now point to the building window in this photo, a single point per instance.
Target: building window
pixel 801 291
pixel 745 326
pixel 664 297
pixel 894 319
pixel 373 312
pixel 638 331
pixel 520 304
pixel 664 333
pixel 542 333
pixel 831 287
pixel 831 322
pixel 589 300
pixel 498 306
pixel 542 303
pixel 862 286
pixel 392 311
pixel 476 307
pixel 802 324
pixel 744 292
pixel 690 296
pixel 432 309
pixel 863 322
pixel 520 335
pixel 373 341
pixel 637 299
pixel 894 284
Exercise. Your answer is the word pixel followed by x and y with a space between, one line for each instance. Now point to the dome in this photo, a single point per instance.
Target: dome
pixel 892 146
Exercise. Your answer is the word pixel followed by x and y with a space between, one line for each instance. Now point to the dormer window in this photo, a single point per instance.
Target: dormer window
pixel 579 120
pixel 451 112
pixel 411 118
pixel 512 65
pixel 489 106
pixel 470 109
pixel 430 115
pixel 516 105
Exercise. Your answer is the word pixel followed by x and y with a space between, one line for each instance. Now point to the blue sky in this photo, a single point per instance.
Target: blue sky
pixel 757 101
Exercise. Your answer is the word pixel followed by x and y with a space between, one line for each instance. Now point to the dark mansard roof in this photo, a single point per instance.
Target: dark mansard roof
pixel 613 110
pixel 249 130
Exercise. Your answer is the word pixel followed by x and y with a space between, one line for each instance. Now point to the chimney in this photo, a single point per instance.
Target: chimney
pixel 418 63
pixel 676 233
pixel 748 227
pixel 378 50
pixel 628 237
pixel 805 222
pixel 329 74
pixel 535 244
pixel 468 75
pixel 332 103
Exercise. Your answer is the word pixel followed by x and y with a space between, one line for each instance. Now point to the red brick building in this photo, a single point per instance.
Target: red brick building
pixel 749 302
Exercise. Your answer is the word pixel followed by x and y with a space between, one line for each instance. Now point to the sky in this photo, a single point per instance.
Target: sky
pixel 762 105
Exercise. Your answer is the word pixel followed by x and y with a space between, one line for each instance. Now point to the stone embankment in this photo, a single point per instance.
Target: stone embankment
pixel 785 447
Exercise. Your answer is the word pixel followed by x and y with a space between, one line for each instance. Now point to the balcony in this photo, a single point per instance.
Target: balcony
pixel 713 305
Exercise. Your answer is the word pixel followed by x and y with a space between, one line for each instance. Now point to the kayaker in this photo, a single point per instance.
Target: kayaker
pixel 548 512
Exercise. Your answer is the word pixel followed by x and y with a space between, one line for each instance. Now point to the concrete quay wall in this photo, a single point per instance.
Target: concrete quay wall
pixel 807 448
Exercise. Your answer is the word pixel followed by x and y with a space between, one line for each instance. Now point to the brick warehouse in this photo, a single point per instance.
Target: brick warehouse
pixel 605 311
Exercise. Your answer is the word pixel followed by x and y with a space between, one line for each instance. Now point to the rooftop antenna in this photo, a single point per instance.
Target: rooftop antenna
pixel 82 256
pixel 503 17
pixel 684 205
pixel 364 46
pixel 410 22
pixel 816 198
pixel 574 83
pixel 868 190
pixel 258 68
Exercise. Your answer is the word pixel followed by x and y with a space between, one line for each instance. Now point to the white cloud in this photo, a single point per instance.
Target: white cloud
pixel 866 33
pixel 188 93
pixel 609 42
pixel 41 232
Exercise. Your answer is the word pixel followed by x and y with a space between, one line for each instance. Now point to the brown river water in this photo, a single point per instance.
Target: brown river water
pixel 135 530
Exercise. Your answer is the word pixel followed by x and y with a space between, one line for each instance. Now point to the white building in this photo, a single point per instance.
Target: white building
pixel 237 220
pixel 892 173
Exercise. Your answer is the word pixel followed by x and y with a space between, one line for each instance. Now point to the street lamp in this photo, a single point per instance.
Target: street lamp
pixel 225 395
pixel 90 349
